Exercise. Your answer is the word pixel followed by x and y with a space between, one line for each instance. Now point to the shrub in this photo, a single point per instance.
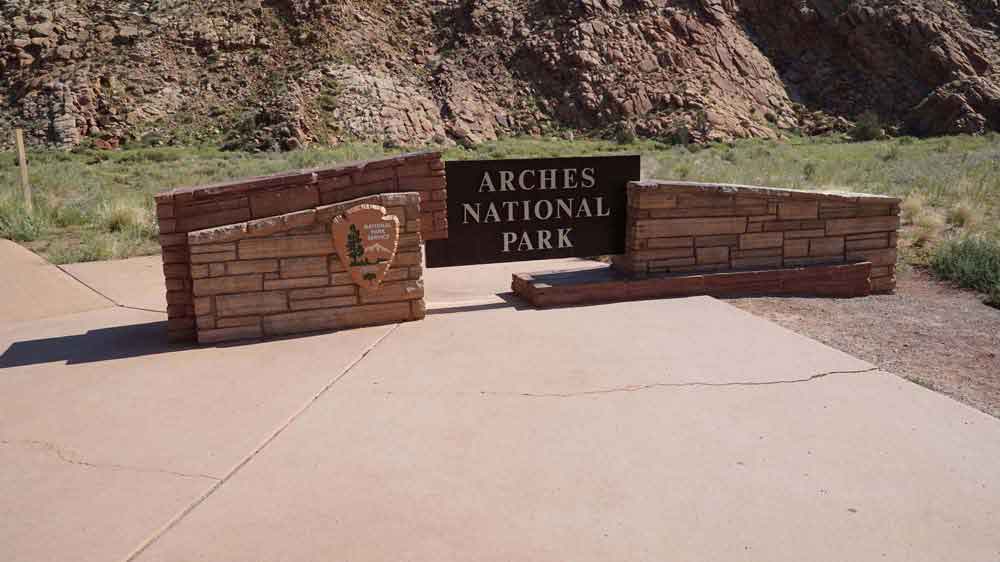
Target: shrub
pixel 891 154
pixel 680 136
pixel 145 156
pixel 964 214
pixel 993 299
pixel 127 218
pixel 867 128
pixel 67 215
pixel 89 248
pixel 623 133
pixel 16 225
pixel 912 206
pixel 927 228
pixel 809 170
pixel 972 262
pixel 327 102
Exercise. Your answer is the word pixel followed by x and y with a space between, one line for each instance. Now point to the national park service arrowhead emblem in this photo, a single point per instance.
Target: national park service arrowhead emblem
pixel 366 239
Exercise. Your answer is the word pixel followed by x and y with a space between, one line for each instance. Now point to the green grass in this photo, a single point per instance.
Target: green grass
pixel 16 224
pixel 965 169
pixel 93 205
pixel 98 205
pixel 972 262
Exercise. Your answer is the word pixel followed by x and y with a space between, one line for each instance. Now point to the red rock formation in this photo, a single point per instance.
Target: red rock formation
pixel 278 74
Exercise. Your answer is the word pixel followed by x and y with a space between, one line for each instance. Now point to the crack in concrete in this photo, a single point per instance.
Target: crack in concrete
pixel 106 297
pixel 253 454
pixel 66 457
pixel 642 387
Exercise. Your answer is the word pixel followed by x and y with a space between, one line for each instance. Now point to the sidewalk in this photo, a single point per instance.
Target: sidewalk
pixel 660 430
pixel 33 288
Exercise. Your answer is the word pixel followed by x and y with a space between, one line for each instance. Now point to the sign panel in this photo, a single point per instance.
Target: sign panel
pixel 519 210
pixel 366 238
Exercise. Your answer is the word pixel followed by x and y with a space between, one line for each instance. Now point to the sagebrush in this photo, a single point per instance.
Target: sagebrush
pixel 98 204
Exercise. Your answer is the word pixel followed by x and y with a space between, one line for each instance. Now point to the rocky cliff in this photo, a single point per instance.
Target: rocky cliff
pixel 277 74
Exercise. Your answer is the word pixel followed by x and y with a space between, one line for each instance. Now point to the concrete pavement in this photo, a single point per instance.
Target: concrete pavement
pixel 677 429
pixel 482 285
pixel 92 400
pixel 130 282
pixel 32 288
pixel 568 439
pixel 127 283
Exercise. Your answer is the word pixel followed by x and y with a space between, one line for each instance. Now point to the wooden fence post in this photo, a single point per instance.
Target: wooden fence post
pixel 23 160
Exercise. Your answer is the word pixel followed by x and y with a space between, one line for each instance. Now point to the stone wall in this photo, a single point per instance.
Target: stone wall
pixel 684 227
pixel 281 275
pixel 181 211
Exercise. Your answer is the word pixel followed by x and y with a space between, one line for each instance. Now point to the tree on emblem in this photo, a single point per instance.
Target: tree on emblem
pixel 354 247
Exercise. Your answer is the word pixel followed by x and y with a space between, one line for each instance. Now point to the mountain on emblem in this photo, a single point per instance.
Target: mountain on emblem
pixel 379 252
pixel 366 239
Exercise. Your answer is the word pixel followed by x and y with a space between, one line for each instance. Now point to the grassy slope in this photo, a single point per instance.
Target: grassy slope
pixel 98 205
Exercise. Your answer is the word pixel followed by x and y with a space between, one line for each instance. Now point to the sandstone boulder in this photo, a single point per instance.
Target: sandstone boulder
pixel 968 105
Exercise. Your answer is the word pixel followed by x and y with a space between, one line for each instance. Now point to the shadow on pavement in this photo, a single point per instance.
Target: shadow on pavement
pixel 510 300
pixel 138 340
pixel 106 344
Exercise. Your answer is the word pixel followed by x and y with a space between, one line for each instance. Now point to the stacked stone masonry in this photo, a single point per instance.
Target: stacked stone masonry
pixel 573 288
pixel 181 211
pixel 281 275
pixel 684 227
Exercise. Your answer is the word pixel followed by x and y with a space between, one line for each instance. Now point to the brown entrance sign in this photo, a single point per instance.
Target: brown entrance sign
pixel 366 238
pixel 519 210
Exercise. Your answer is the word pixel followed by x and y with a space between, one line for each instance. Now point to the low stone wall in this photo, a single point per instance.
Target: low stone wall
pixel 565 288
pixel 181 211
pixel 282 275
pixel 684 227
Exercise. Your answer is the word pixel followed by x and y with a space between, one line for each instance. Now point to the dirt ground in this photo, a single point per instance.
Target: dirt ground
pixel 928 332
